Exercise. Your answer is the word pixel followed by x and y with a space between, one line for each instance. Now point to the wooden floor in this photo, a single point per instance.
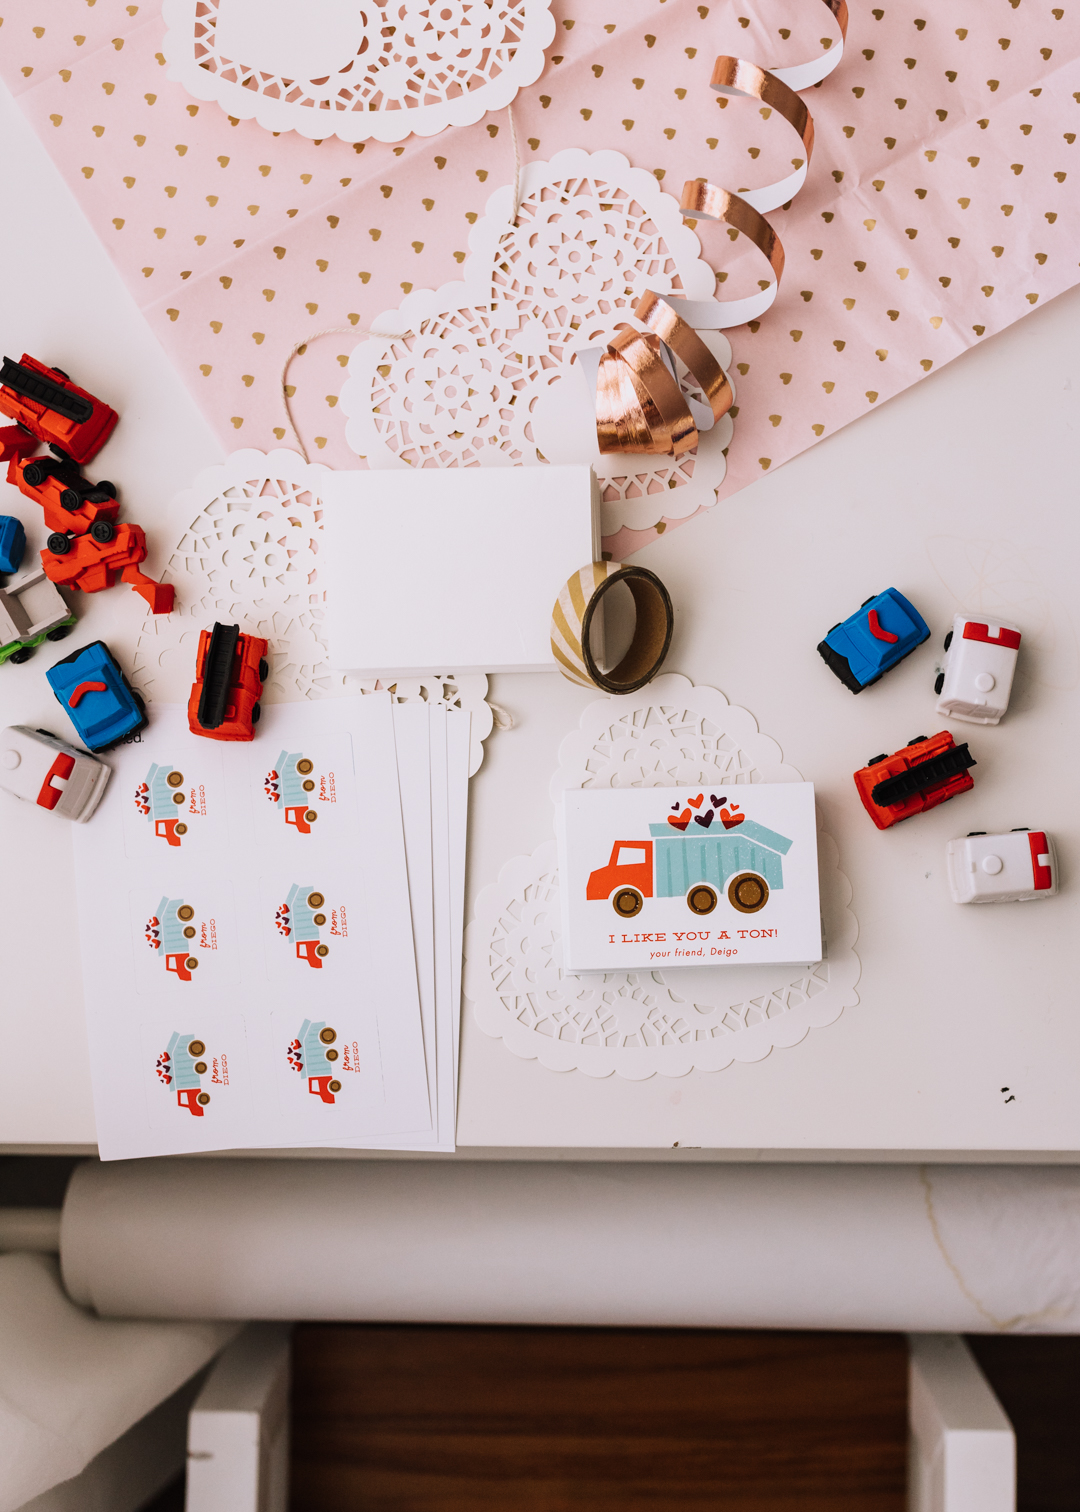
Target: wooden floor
pixel 418 1419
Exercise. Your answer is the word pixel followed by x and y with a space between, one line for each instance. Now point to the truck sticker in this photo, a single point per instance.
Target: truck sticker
pixel 294 787
pixel 184 1066
pixel 314 1053
pixel 305 917
pixel 168 803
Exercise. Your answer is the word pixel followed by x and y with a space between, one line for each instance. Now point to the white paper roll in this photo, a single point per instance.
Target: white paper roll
pixel 935 1249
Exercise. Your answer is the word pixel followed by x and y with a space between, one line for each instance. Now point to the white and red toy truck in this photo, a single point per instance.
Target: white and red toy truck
pixel 976 676
pixel 42 769
pixel 1015 868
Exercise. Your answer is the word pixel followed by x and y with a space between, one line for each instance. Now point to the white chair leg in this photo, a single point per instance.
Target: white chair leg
pixel 962 1449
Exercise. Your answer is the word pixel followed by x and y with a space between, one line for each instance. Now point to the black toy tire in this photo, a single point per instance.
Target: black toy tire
pixel 70 499
pixel 23 654
pixel 939 682
pixel 106 487
pixel 948 640
pixel 58 543
pixel 34 474
pixel 256 714
pixel 264 670
pixel 60 633
pixel 918 740
pixel 103 531
pixel 875 759
pixel 870 600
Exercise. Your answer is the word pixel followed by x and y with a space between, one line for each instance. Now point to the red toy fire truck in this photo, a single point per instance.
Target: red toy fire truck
pixel 72 504
pixel 230 669
pixel 45 402
pixel 923 774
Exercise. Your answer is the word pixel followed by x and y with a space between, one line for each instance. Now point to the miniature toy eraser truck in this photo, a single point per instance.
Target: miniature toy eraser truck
pixel 977 673
pixel 42 769
pixel 1019 867
pixel 925 772
pixel 882 631
pixel 230 669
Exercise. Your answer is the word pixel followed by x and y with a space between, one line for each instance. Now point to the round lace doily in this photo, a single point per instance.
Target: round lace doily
pixel 383 71
pixel 250 556
pixel 642 1023
pixel 487 378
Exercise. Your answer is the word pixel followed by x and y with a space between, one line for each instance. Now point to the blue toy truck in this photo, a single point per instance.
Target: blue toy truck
pixel 97 697
pixel 868 643
pixel 12 543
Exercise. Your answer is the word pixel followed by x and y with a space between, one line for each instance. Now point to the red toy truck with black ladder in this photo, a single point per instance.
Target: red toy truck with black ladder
pixel 230 669
pixel 44 402
pixel 926 772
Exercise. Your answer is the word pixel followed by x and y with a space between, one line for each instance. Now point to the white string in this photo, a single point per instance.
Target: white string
pixel 301 345
pixel 390 335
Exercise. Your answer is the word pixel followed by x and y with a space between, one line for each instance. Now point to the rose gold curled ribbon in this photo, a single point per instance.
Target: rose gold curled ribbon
pixel 640 406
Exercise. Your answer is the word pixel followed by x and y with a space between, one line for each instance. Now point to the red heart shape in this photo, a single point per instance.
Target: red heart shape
pixel 730 820
pixel 696 802
pixel 681 822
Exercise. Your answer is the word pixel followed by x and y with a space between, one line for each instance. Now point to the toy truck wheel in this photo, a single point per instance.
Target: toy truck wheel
pixel 35 474
pixel 328 1035
pixel 185 911
pixel 322 950
pixel 200 1068
pixel 203 1098
pixel 305 766
pixel 196 1047
pixel 701 899
pixel 335 1086
pixel 748 892
pixel 107 488
pixel 59 543
pixel 320 919
pixel 181 829
pixel 175 779
pixel 256 713
pixel 191 963
pixel 60 633
pixel 264 670
pixel 875 759
pixel 24 653
pixel 70 499
pixel 627 902
pixel 948 640
pixel 311 816
pixel 939 682
pixel 315 900
pixel 331 1055
pixel 103 531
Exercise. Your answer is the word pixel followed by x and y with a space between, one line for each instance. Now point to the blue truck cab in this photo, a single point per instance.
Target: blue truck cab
pixel 881 633
pixel 96 696
pixel 12 543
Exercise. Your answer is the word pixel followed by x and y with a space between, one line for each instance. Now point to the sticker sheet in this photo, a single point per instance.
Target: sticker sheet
pixel 660 877
pixel 247 937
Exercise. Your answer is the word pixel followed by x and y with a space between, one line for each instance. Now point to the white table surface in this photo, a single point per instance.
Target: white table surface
pixel 979 460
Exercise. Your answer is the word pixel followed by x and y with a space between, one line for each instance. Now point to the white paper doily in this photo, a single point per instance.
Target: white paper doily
pixel 486 378
pixel 250 556
pixel 382 71
pixel 642 1023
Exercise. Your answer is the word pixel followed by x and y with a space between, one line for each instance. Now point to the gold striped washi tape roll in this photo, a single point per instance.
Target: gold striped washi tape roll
pixel 571 624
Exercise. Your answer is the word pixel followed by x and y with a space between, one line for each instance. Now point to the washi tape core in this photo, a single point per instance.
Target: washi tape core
pixel 572 621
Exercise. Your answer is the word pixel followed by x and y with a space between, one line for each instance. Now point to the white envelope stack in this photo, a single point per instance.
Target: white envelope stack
pixel 271 931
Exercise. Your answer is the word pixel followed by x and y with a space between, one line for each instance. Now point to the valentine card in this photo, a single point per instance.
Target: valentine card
pixel 676 877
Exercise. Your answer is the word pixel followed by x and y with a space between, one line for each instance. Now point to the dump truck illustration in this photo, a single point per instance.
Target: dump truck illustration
pixel 161 799
pixel 746 860
pixel 290 786
pixel 170 932
pixel 181 1068
pixel 300 919
pixel 311 1055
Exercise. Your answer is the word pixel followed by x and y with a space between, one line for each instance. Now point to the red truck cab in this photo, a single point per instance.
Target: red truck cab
pixel 193 1100
pixel 311 952
pixel 45 402
pixel 230 669
pixel 926 772
pixel 182 964
pixel 170 830
pixel 70 503
pixel 628 874
pixel 324 1087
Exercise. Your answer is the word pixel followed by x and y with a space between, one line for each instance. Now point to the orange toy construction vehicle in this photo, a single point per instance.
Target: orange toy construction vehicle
pixel 89 563
pixel 46 403
pixel 923 774
pixel 230 669
pixel 71 503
